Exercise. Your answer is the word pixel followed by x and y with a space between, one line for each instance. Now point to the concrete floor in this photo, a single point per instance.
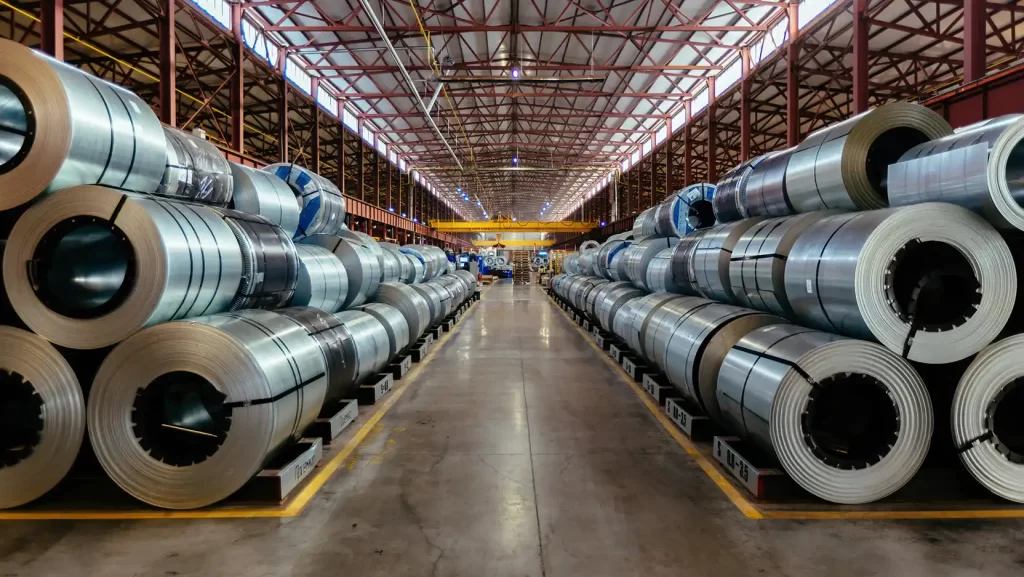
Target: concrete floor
pixel 517 453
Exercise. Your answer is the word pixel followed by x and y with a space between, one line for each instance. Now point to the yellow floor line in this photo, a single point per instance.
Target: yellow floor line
pixel 295 507
pixel 748 508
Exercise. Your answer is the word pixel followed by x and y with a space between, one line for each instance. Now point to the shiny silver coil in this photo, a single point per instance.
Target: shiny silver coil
pixel 338 347
pixel 404 271
pixel 848 420
pixel 710 259
pixel 729 203
pixel 931 282
pixel 645 224
pixel 456 288
pixel 684 275
pixel 433 259
pixel 88 266
pixel 394 323
pixel 622 320
pixel 986 414
pixel 686 210
pixel 42 417
pixel 632 326
pixel 589 244
pixel 183 414
pixel 468 278
pixel 322 280
pixel 412 304
pixel 588 262
pixel 437 299
pixel 270 265
pixel 360 263
pixel 322 204
pixel 65 128
pixel 264 194
pixel 765 189
pixel 588 296
pixel 609 299
pixel 660 277
pixel 757 265
pixel 388 267
pixel 605 254
pixel 371 343
pixel 195 170
pixel 571 263
pixel 638 257
pixel 980 167
pixel 845 165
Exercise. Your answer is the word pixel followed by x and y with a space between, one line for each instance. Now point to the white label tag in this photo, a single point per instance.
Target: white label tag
pixel 809 289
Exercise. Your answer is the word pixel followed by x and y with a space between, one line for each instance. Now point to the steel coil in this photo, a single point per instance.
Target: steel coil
pixel 395 325
pixel 183 414
pixel 757 265
pixel 413 306
pixel 729 203
pixel 195 170
pixel 986 418
pixel 622 320
pixel 589 244
pixel 686 210
pixel 389 267
pixel 660 277
pixel 436 301
pixel 570 263
pixel 322 281
pixel 434 260
pixel 931 282
pixel 42 417
pixel 845 165
pixel 659 324
pixel 765 189
pixel 360 263
pixel 270 265
pixel 710 259
pixel 645 224
pixel 67 128
pixel 588 298
pixel 980 167
pixel 641 310
pixel 403 263
pixel 264 194
pixel 684 275
pixel 88 266
pixel 452 291
pixel 639 256
pixel 468 278
pixel 605 256
pixel 609 300
pixel 371 343
pixel 338 347
pixel 323 205
pixel 848 420
pixel 588 262
pixel 458 287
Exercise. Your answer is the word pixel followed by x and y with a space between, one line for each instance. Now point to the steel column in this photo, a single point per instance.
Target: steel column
pixel 282 122
pixel 792 90
pixel 340 177
pixel 669 141
pixel 168 69
pixel 629 189
pixel 712 174
pixel 314 141
pixel 745 82
pixel 237 88
pixel 860 56
pixel 974 40
pixel 51 26
pixel 687 154
pixel 360 156
pixel 639 188
pixel 654 174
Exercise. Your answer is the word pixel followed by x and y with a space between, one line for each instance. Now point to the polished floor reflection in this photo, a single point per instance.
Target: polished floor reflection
pixel 517 452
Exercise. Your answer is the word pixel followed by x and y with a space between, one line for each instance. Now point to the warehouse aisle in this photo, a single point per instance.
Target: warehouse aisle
pixel 517 452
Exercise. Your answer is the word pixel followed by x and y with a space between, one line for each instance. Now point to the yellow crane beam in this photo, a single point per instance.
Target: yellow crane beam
pixel 512 243
pixel 512 226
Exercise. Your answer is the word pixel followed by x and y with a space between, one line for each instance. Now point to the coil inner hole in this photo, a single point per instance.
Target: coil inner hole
pixel 850 421
pixel 17 125
pixel 180 419
pixel 1015 173
pixel 701 214
pixel 21 418
pixel 1005 422
pixel 886 150
pixel 933 285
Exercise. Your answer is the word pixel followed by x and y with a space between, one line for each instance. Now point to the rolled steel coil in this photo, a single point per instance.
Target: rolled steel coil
pixel 42 417
pixel 646 224
pixel 570 263
pixel 183 414
pixel 848 420
pixel 605 254
pixel 986 418
pixel 413 306
pixel 457 291
pixel 660 322
pixel 729 203
pixel 710 259
pixel 588 262
pixel 323 205
pixel 264 194
pixel 389 267
pixel 360 263
pixel 195 170
pixel 322 280
pixel 757 266
pixel 392 264
pixel 980 167
pixel 639 256
pixel 468 278
pixel 406 271
pixel 588 298
pixel 931 282
pixel 394 324
pixel 338 347
pixel 589 244
pixel 660 277
pixel 65 128
pixel 371 342
pixel 686 210
pixel 434 260
pixel 610 298
pixel 845 165
pixel 632 325
pixel 88 266
pixel 622 321
pixel 765 189
pixel 500 261
pixel 437 301
pixel 684 275
pixel 696 346
pixel 270 265
pixel 419 271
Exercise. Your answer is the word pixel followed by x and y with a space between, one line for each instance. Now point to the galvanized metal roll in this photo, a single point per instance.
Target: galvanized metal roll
pixel 589 244
pixel 468 278
pixel 639 256
pixel 986 418
pixel 588 296
pixel 659 273
pixel 848 420
pixel 609 299
pixel 195 170
pixel 437 300
pixel 845 165
pixel 65 128
pixel 605 254
pixel 641 309
pixel 700 341
pixel 729 203
pixel 455 289
pixel 183 414
pixel 403 263
pixel 570 263
pixel 931 282
pixel 360 263
pixel 684 275
pixel 434 260
pixel 322 281
pixel 42 417
pixel 264 194
pixel 338 347
pixel 686 210
pixel 371 342
pixel 270 265
pixel 646 224
pixel 980 167
pixel 765 189
pixel 622 321
pixel 757 266
pixel 661 322
pixel 88 266
pixel 413 306
pixel 323 205
pixel 588 262
pixel 710 259
pixel 394 324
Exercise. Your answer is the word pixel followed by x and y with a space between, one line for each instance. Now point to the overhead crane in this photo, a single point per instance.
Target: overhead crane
pixel 509 225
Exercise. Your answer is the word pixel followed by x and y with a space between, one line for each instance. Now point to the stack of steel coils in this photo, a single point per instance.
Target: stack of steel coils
pixel 686 210
pixel 195 170
pixel 323 206
pixel 360 263
pixel 712 256
pixel 323 279
pixel 638 257
pixel 264 194
pixel 412 304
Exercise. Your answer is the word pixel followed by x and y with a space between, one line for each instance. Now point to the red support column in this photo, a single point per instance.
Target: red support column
pixel 314 141
pixel 860 56
pixel 745 82
pixel 687 154
pixel 340 178
pixel 654 174
pixel 712 175
pixel 282 122
pixel 168 69
pixel 629 186
pixel 51 25
pixel 668 161
pixel 237 87
pixel 792 90
pixel 974 40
